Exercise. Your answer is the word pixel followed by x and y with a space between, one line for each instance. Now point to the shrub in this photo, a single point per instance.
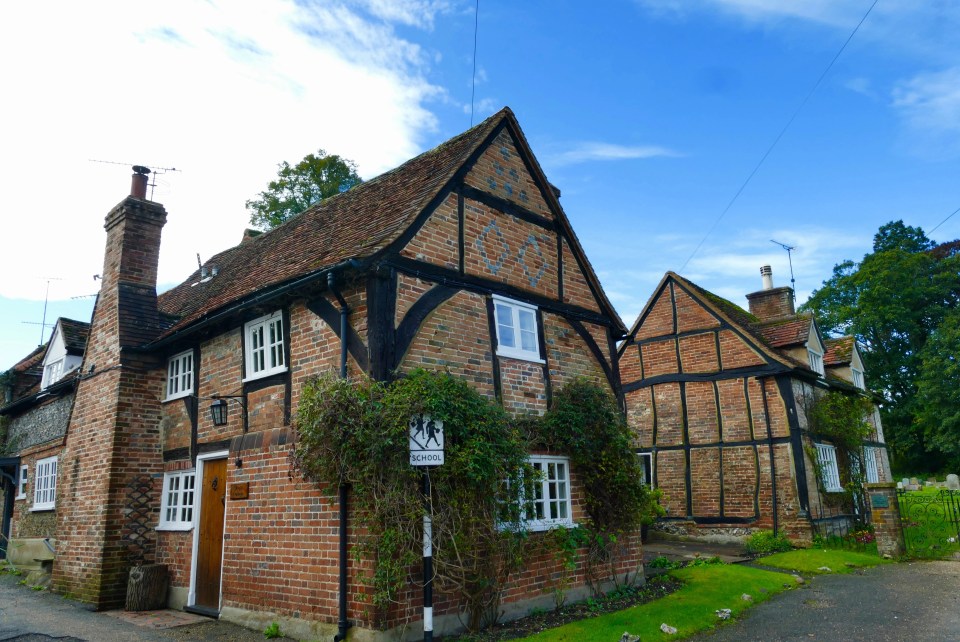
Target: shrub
pixel 768 542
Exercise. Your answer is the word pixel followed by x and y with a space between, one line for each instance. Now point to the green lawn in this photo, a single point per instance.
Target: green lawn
pixel 691 609
pixel 810 561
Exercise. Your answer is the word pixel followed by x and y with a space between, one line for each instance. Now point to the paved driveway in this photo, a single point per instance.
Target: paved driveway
pixel 39 616
pixel 916 602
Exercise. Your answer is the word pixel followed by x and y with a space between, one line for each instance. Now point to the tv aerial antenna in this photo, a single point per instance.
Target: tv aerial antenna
pixel 43 323
pixel 789 249
pixel 153 168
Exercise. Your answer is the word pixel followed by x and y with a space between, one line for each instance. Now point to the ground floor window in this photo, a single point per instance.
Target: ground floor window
pixel 829 472
pixel 22 482
pixel 870 458
pixel 549 502
pixel 45 484
pixel 646 466
pixel 176 505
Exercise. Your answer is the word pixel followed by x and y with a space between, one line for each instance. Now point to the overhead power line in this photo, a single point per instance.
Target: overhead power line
pixel 776 140
pixel 944 220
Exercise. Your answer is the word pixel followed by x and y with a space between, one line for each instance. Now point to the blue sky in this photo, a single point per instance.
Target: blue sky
pixel 648 114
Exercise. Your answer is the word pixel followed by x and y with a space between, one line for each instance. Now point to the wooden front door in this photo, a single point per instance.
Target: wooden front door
pixel 213 497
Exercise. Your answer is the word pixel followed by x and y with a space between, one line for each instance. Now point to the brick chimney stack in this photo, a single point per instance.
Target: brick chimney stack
pixel 771 303
pixel 113 443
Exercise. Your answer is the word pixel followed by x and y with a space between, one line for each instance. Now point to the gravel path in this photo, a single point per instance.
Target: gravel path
pixel 915 602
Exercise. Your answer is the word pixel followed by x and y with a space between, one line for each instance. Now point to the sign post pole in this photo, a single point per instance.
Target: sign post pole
pixel 427 559
pixel 426 451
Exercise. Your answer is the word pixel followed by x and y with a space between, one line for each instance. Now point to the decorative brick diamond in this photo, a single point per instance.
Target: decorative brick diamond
pixel 488 244
pixel 533 261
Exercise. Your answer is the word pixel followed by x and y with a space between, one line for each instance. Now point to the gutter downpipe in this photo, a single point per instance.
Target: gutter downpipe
pixel 342 623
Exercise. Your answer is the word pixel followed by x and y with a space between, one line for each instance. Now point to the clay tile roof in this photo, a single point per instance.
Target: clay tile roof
pixel 355 224
pixel 763 334
pixel 75 335
pixel 786 332
pixel 838 352
pixel 33 362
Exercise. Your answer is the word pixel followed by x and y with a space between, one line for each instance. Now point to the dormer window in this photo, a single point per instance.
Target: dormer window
pixel 816 360
pixel 857 377
pixel 52 373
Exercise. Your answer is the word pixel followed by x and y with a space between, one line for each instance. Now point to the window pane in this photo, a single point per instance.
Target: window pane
pixel 505 327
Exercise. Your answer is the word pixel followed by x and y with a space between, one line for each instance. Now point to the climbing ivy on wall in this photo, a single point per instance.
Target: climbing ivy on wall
pixel 841 419
pixel 356 432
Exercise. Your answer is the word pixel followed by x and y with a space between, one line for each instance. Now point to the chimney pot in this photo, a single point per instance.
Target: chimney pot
pixel 767 274
pixel 138 184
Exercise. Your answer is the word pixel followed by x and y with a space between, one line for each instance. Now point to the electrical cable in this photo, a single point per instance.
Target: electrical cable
pixel 776 140
pixel 944 220
pixel 473 82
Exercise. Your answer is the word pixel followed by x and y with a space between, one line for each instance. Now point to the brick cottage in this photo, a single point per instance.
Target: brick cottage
pixel 460 259
pixel 718 398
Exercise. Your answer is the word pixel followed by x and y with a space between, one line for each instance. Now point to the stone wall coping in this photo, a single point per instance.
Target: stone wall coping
pixel 880 485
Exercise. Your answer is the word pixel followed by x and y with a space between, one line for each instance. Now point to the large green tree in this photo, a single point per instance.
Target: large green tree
pixel 297 187
pixel 938 389
pixel 892 302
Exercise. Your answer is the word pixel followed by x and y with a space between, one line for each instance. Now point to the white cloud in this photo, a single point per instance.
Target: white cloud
pixel 598 151
pixel 222 91
pixel 931 101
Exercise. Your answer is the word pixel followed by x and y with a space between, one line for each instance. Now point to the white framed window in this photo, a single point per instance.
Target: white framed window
pixel 870 463
pixel 177 501
pixel 45 484
pixel 52 373
pixel 22 482
pixel 857 377
pixel 264 346
pixel 517 334
pixel 180 375
pixel 549 502
pixel 816 360
pixel 646 467
pixel 829 471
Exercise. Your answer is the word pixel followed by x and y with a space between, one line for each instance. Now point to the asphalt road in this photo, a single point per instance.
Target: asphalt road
pixel 915 602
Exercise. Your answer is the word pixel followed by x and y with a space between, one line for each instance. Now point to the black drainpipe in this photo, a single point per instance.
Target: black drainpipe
pixel 342 624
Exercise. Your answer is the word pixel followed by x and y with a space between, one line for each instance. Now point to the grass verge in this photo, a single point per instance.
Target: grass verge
pixel 810 561
pixel 690 609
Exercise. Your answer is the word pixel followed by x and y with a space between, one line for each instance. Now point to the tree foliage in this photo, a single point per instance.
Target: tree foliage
pixel 938 389
pixel 356 432
pixel 297 187
pixel 892 302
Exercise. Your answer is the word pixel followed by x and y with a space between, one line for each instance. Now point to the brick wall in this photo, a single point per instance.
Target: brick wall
pixel 775 303
pixel 500 171
pixel 504 248
pixel 455 337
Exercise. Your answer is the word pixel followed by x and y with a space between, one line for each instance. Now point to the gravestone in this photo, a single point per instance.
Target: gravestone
pixel 953 482
pixel 905 481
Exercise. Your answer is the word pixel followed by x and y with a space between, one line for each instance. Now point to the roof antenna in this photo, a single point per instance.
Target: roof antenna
pixel 473 86
pixel 789 249
pixel 152 169
pixel 43 323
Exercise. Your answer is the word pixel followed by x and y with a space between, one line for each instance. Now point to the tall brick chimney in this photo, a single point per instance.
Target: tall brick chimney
pixel 771 303
pixel 112 443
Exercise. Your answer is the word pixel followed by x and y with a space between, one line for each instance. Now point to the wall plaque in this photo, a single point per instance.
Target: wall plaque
pixel 879 501
pixel 239 490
